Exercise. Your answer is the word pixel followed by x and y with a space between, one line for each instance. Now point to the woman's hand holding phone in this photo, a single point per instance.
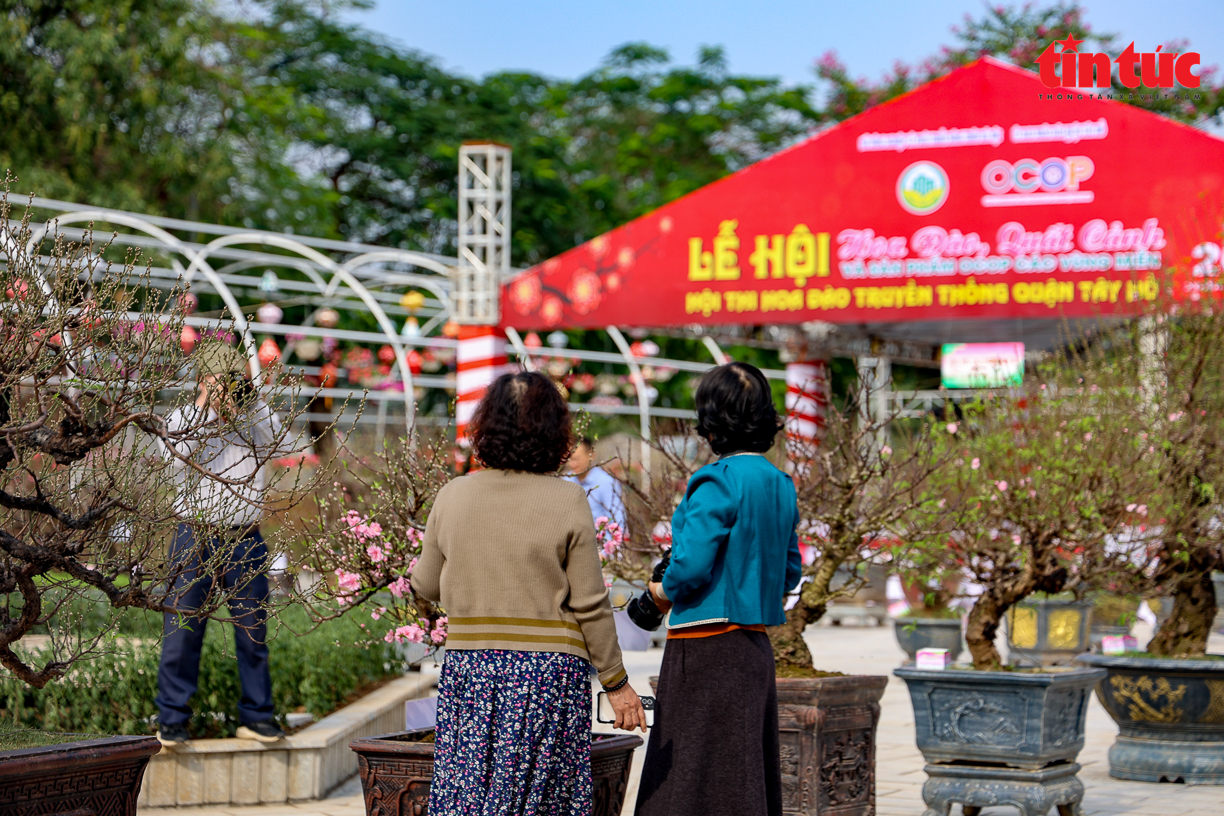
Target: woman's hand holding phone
pixel 628 709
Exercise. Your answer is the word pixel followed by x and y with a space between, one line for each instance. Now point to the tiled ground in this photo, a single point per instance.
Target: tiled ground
pixel 899 765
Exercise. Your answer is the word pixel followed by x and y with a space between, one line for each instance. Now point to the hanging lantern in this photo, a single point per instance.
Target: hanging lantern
pixel 269 313
pixel 188 303
pixel 532 341
pixel 327 317
pixel 269 282
pixel 329 375
pixel 386 354
pixel 308 349
pixel 412 300
pixel 269 352
pixel 451 329
pixel 558 340
pixel 414 361
pixel 188 339
pixel 411 328
pixel 644 348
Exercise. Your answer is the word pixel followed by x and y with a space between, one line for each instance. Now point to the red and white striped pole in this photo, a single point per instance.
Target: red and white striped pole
pixel 807 406
pixel 481 358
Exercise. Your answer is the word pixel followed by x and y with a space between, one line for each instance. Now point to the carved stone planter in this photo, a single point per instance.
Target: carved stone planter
pixel 1170 716
pixel 93 776
pixel 1047 632
pixel 828 731
pixel 929 633
pixel 396 771
pixel 1001 737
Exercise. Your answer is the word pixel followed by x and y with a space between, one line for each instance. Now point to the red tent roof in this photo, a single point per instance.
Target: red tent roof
pixel 981 195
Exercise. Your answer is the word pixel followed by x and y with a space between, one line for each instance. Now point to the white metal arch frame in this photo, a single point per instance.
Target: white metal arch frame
pixel 341 274
pixel 171 242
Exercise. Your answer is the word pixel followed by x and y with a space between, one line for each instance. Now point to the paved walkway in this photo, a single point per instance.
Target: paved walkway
pixel 867 650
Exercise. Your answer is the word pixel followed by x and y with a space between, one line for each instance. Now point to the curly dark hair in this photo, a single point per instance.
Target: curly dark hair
pixel 522 423
pixel 735 409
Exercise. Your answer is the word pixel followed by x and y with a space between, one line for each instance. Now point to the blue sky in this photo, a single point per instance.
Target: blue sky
pixel 567 38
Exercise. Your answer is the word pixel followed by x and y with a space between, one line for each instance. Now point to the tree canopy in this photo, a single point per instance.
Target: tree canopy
pixel 280 114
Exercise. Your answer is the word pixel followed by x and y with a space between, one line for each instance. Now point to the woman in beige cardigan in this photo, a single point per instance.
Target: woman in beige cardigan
pixel 510 554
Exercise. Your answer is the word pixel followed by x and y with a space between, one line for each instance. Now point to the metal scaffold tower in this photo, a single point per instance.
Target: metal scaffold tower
pixel 484 231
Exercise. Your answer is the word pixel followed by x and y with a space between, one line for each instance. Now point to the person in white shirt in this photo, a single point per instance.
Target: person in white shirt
pixel 230 433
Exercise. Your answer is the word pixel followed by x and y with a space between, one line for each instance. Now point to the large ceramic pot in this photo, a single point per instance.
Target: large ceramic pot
pixel 396 771
pixel 1048 633
pixel 1019 719
pixel 1170 716
pixel 929 633
pixel 100 776
pixel 827 728
pixel 1001 737
pixel 828 737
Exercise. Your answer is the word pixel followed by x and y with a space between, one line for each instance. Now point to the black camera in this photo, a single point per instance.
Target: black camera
pixel 643 610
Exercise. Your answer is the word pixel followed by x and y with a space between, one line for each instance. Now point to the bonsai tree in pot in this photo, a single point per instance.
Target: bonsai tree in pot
pixel 1166 702
pixel 1183 396
pixel 1045 488
pixel 88 467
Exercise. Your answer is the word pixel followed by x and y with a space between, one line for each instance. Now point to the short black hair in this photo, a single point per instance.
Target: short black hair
pixel 588 443
pixel 735 409
pixel 522 423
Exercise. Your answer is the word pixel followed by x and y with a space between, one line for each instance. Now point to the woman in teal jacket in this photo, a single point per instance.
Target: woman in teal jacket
pixel 735 554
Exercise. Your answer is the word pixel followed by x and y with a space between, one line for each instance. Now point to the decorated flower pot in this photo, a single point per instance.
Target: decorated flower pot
pixel 396 771
pixel 1170 716
pixel 91 776
pixel 991 737
pixel 929 633
pixel 1046 632
pixel 827 727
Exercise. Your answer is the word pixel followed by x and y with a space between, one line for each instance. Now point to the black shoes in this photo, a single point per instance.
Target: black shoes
pixel 171 735
pixel 266 731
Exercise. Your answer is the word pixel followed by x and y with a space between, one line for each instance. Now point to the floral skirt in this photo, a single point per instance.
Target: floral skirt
pixel 514 735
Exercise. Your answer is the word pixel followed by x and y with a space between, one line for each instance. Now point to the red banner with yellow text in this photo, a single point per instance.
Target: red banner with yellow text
pixel 981 195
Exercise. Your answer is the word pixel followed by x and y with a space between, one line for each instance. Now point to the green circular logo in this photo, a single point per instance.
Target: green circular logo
pixel 922 188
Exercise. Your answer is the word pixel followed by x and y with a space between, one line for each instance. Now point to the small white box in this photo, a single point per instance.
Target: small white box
pixel 936 659
pixel 1118 644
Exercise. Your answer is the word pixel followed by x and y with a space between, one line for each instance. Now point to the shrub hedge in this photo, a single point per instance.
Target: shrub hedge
pixel 113 693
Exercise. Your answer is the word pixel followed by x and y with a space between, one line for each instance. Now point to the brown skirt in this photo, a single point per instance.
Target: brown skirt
pixel 713 750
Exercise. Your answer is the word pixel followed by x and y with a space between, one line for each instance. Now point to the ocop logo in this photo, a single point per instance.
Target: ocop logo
pixel 1028 182
pixel 922 188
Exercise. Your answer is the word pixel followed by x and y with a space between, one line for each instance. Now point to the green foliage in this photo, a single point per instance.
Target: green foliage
pixel 589 154
pixel 113 692
pixel 158 106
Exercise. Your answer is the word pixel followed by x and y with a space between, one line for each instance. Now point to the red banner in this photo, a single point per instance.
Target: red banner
pixel 981 195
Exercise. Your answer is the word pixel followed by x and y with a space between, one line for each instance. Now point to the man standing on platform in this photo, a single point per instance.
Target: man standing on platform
pixel 218 541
